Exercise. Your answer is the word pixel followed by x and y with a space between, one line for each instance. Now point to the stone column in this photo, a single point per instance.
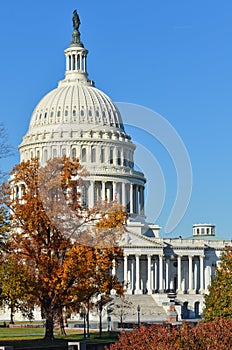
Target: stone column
pixel 114 191
pixel 161 287
pixel 195 269
pixel 91 194
pixel 167 284
pixel 132 274
pixel 207 277
pixel 67 63
pixel 202 290
pixel 76 62
pixel 125 270
pixel 142 200
pixel 136 199
pixel 156 274
pixel 179 289
pixel 115 156
pixel 131 199
pixel 124 194
pixel 137 281
pixel 103 197
pixel 84 63
pixel 80 63
pixel 149 289
pixel 190 290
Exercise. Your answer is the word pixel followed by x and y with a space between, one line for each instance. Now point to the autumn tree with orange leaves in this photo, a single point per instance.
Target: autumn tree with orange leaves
pixel 67 250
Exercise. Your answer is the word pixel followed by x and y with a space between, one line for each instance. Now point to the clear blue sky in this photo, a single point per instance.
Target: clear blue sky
pixel 174 57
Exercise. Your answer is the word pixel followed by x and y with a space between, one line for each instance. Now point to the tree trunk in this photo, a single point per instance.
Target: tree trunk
pixel 61 322
pixel 87 321
pixel 11 315
pixel 49 317
pixel 49 328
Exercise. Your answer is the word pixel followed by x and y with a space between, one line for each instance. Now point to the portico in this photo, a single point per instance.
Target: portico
pixel 148 273
pixel 154 265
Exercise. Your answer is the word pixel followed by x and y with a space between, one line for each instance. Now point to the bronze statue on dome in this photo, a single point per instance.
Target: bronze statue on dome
pixel 76 41
pixel 76 20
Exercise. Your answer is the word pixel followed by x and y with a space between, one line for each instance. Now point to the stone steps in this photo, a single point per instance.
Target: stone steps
pixel 149 309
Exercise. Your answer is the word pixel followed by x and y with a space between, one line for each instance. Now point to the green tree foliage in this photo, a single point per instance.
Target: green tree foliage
pixel 218 303
pixel 4 228
pixel 213 335
pixel 16 286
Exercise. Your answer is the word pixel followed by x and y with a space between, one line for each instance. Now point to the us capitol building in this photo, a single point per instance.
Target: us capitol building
pixel 78 120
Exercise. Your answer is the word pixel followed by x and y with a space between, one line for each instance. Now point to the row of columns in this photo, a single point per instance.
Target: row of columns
pixel 76 62
pixel 129 195
pixel 86 154
pixel 160 276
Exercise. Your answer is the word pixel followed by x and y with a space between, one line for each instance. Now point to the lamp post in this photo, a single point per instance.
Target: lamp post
pixel 138 309
pixel 100 317
pixel 108 319
pixel 172 315
pixel 84 317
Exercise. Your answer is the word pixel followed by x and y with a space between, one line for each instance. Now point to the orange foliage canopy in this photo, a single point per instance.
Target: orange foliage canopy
pixel 67 249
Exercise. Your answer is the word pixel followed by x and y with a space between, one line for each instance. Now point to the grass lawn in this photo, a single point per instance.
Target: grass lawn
pixel 33 337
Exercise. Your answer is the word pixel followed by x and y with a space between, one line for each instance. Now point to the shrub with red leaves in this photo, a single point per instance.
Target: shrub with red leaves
pixel 215 335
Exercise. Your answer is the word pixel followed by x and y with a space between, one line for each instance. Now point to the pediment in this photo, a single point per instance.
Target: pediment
pixel 133 239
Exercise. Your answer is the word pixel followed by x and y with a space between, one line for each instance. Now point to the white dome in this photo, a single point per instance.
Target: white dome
pixel 78 105
pixel 78 120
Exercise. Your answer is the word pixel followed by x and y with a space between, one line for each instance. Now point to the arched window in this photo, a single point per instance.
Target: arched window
pixel 185 310
pixel 83 154
pixel 38 154
pixel 74 113
pixel 17 192
pixel 63 151
pixel 58 114
pixel 66 113
pixel 111 156
pixel 102 155
pixel 93 155
pixel 74 153
pixel 119 158
pixel 84 196
pixel 197 309
pixel 23 190
pixel 130 159
pixel 125 160
pixel 54 153
pixel 45 155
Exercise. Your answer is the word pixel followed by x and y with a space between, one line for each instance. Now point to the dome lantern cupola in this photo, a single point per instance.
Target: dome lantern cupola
pixel 76 57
